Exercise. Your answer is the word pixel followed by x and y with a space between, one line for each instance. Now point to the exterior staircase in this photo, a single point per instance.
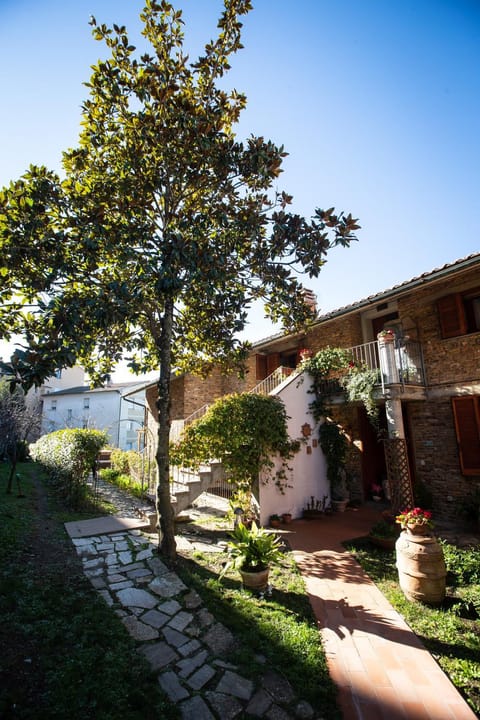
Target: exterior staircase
pixel 187 485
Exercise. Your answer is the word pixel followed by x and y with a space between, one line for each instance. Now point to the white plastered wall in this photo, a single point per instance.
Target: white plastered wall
pixel 307 476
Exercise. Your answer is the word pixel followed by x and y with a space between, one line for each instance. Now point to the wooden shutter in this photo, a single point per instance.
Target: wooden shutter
pixel 273 362
pixel 451 314
pixel 261 367
pixel 466 411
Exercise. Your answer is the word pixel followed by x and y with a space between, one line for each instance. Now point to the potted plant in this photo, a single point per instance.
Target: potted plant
pixel 251 552
pixel 287 518
pixel 384 534
pixel 415 521
pixel 275 520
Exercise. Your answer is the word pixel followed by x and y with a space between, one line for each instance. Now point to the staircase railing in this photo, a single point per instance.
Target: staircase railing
pixel 265 387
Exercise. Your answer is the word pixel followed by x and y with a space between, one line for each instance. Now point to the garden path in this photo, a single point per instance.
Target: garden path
pixel 381 668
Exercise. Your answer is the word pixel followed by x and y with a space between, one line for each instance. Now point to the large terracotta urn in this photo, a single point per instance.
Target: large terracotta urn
pixel 421 567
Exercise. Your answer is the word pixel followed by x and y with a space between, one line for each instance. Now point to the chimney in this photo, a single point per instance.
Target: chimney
pixel 310 299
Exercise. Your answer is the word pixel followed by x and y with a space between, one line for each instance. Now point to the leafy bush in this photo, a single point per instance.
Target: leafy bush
pixel 463 564
pixel 119 461
pixel 68 457
pixel 244 431
pixel 123 481
pixel 129 462
pixel 109 474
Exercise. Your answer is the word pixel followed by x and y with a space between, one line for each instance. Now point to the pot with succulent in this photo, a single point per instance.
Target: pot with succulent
pixel 251 552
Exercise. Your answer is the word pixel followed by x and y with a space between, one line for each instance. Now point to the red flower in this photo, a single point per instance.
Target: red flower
pixel 415 516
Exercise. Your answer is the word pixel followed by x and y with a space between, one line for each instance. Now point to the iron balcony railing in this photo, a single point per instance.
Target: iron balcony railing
pixel 407 366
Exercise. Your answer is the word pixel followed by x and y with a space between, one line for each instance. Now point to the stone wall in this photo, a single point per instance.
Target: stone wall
pixel 453 360
pixel 437 465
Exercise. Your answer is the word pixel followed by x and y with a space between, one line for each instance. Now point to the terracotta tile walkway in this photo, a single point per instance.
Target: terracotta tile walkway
pixel 382 670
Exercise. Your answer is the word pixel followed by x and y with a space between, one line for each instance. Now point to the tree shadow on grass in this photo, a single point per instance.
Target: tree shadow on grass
pixel 280 628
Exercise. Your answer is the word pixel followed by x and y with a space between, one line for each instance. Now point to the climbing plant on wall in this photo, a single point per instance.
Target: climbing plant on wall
pixel 245 432
pixel 358 380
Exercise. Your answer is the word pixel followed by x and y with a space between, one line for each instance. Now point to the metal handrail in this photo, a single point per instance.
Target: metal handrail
pixel 266 386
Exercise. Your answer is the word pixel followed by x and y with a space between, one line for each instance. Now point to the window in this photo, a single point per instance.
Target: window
pixel 69 414
pixel 466 412
pixel 86 403
pixel 53 406
pixel 459 313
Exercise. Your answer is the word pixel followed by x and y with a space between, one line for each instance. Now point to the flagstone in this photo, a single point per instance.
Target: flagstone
pixel 133 597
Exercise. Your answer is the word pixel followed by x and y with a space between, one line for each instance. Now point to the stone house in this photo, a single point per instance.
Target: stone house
pixel 429 394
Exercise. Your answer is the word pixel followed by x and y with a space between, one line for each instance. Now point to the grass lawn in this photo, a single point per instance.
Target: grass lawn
pixel 279 628
pixel 65 654
pixel 450 632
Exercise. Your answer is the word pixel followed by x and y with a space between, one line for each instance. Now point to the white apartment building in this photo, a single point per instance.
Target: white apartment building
pixel 104 408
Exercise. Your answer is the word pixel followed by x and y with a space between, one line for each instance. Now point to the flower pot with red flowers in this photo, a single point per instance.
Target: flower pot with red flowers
pixel 415 521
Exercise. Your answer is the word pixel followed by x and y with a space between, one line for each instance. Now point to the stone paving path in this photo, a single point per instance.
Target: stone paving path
pixel 178 636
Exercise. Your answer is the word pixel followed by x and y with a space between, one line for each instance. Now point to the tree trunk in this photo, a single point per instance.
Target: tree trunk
pixel 12 456
pixel 166 525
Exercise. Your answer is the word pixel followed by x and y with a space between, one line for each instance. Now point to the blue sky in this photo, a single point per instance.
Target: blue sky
pixel 377 103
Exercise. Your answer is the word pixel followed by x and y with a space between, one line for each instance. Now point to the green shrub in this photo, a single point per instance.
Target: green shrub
pixel 109 474
pixel 463 564
pixel 68 457
pixel 119 460
pixel 129 462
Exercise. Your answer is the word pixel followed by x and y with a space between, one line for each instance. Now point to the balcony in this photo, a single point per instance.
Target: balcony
pixel 400 368
pixel 399 363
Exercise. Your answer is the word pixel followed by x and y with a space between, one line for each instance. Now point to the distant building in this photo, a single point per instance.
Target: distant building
pixel 104 408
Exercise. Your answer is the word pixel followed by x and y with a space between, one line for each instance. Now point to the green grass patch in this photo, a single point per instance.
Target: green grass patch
pixel 450 632
pixel 124 482
pixel 65 654
pixel 281 627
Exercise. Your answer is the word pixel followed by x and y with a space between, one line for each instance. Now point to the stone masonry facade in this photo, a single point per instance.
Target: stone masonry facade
pixel 452 368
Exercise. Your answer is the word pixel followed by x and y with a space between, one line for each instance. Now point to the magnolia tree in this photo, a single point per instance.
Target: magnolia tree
pixel 164 230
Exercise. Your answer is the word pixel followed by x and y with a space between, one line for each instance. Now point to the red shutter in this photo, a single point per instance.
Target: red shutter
pixel 452 316
pixel 466 411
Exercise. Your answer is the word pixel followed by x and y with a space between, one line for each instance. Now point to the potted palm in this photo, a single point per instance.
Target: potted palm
pixel 251 551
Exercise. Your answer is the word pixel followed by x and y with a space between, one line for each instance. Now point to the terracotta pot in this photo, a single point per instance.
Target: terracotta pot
pixel 255 580
pixel 286 518
pixel 421 568
pixel 417 529
pixel 275 523
pixel 339 505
